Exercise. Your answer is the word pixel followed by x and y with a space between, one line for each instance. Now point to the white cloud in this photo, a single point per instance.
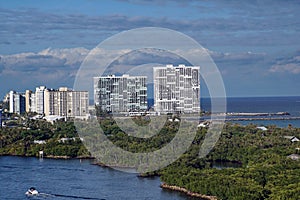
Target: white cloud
pixel 49 58
pixel 68 61
pixel 293 68
pixel 242 56
pixel 289 65
pixel 72 56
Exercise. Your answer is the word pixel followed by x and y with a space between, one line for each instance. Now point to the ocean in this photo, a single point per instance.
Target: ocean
pixel 270 105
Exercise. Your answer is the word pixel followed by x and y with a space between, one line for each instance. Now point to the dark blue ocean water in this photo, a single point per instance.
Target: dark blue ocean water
pixel 255 104
pixel 262 105
pixel 72 179
pixel 259 105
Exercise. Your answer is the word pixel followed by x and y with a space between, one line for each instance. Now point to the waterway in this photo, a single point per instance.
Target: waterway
pixel 75 179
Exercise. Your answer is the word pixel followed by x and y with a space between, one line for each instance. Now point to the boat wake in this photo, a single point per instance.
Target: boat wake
pixel 75 197
pixel 45 195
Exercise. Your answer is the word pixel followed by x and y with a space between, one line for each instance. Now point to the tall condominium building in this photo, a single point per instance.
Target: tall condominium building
pixel 176 89
pixel 32 106
pixel 65 102
pixel 62 102
pixel 39 99
pixel 11 101
pixel 28 100
pixel 120 93
pixel 16 102
pixel 0 118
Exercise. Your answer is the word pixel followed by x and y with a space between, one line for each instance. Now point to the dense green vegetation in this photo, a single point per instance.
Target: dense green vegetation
pixel 265 171
pixel 136 144
pixel 19 140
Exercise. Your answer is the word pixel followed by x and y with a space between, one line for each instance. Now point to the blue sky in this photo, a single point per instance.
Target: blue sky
pixel 255 44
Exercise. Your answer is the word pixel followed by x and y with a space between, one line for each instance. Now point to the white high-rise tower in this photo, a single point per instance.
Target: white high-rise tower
pixel 120 93
pixel 176 89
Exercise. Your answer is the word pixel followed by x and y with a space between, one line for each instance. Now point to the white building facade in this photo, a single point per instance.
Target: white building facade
pixel 16 102
pixel 120 93
pixel 39 100
pixel 63 102
pixel 176 89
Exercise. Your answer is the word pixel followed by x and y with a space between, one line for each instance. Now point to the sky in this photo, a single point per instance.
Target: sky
pixel 255 44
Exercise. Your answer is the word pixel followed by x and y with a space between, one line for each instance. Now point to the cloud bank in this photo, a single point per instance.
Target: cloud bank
pixel 58 67
pixel 290 65
pixel 246 23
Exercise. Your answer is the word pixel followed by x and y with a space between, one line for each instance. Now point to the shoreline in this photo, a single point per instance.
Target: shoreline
pixel 51 157
pixel 261 118
pixel 65 157
pixel 163 185
pixel 113 166
pixel 187 192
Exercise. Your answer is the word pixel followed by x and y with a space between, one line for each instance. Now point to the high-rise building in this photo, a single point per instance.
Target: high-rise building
pixel 77 103
pixel 28 99
pixel 39 99
pixel 32 102
pixel 19 103
pixel 62 102
pixel 120 93
pixel 65 102
pixel 176 89
pixel 0 118
pixel 11 101
pixel 16 102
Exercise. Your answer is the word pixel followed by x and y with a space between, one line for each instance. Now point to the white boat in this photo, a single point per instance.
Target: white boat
pixel 32 191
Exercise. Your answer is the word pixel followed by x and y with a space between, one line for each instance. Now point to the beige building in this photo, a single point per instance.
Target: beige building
pixel 66 103
pixel 28 99
pixel 63 102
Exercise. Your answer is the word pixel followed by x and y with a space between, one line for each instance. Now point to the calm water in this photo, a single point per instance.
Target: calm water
pixel 255 104
pixel 262 105
pixel 72 178
pixel 259 105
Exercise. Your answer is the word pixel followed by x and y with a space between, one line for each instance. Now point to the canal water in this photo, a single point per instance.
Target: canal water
pixel 75 179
